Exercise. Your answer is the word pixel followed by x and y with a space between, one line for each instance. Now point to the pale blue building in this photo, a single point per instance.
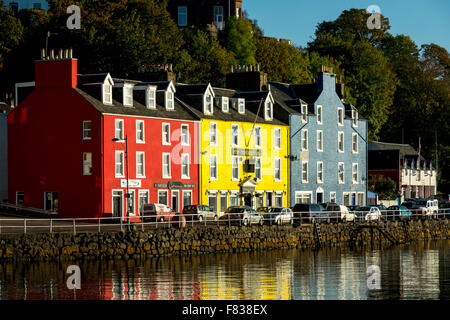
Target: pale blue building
pixel 18 5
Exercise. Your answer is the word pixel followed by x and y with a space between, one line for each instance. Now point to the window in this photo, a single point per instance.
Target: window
pixel 360 201
pixel 87 130
pixel 107 93
pixel 234 199
pixel 163 197
pixel 208 104
pixel 304 139
pixel 212 202
pixel 319 115
pixel 320 172
pixel 269 199
pixel 304 172
pixel 241 105
pixel 319 137
pixel 341 172
pixel 140 164
pixel 127 95
pixel 166 165
pixel 346 197
pixel 354 118
pixel 277 171
pixel 268 114
pixel 151 98
pixel 143 198
pixel 87 163
pixel 169 102
pixel 304 112
pixel 119 163
pixel 51 201
pixel 355 143
pixel 238 12
pixel 340 116
pixel 184 135
pixel 213 167
pixel 257 137
pixel 333 197
pixel 277 138
pixel 182 16
pixel 235 135
pixel 213 134
pixel 225 104
pixel 258 176
pixel 235 168
pixel 341 141
pixel 303 197
pixel 140 131
pixel 185 166
pixel 119 129
pixel 218 17
pixel 187 198
pixel 20 198
pixel 223 202
pixel 278 199
pixel 355 173
pixel 166 133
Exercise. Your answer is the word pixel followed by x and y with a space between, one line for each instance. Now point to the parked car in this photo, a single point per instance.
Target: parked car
pixel 279 216
pixel 353 208
pixel 426 209
pixel 397 213
pixel 157 212
pixel 199 212
pixel 444 209
pixel 373 215
pixel 408 204
pixel 307 212
pixel 242 214
pixel 338 212
pixel 263 209
pixel 361 213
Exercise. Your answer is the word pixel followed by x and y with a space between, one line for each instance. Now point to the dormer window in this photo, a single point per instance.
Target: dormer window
pixel 304 111
pixel 241 105
pixel 128 95
pixel 107 93
pixel 354 118
pixel 169 100
pixel 151 98
pixel 268 110
pixel 208 104
pixel 225 104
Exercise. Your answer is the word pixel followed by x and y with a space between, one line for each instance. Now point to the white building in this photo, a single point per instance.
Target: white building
pixel 418 181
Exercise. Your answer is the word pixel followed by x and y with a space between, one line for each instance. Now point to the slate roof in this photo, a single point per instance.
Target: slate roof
pixel 405 149
pixel 94 78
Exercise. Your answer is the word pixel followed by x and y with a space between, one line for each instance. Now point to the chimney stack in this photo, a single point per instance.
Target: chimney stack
pixel 247 78
pixel 56 71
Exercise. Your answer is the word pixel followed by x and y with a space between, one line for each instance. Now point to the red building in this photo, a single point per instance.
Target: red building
pixel 67 144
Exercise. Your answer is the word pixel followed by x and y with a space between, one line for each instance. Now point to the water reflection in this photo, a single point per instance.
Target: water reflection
pixel 418 271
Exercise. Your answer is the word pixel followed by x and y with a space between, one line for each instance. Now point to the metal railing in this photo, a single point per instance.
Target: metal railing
pixel 19 225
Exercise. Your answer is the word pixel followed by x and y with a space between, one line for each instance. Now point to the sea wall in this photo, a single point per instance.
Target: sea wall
pixel 205 239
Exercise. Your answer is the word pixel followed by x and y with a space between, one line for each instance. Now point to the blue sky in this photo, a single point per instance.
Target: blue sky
pixel 425 21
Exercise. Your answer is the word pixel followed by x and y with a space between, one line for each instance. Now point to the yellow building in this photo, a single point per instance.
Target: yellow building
pixel 243 148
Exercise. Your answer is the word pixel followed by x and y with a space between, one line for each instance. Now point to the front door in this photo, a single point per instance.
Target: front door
pixel 319 197
pixel 175 200
pixel 117 203
pixel 248 200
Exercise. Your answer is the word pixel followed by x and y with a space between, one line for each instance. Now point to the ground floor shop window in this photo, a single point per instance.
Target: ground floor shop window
pixel 234 199
pixel 269 196
pixel 223 202
pixel 303 197
pixel 130 202
pixel 212 202
pixel 360 198
pixel 20 198
pixel 187 198
pixel 117 197
pixel 259 201
pixel 278 200
pixel 51 201
pixel 163 197
pixel 143 198
pixel 346 199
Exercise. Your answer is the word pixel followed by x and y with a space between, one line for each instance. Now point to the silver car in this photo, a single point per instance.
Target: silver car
pixel 252 217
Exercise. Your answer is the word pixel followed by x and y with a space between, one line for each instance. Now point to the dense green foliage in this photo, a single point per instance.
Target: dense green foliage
pixel 385 187
pixel 401 89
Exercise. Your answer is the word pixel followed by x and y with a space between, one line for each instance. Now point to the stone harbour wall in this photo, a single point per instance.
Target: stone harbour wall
pixel 203 240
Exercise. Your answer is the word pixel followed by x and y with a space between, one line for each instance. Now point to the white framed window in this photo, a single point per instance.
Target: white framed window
pixel 87 130
pixel 182 16
pixel 235 135
pixel 163 197
pixel 268 114
pixel 319 136
pixel 166 133
pixel 213 133
pixel 213 167
pixel 151 98
pixel 360 201
pixel 119 129
pixel 303 197
pixel 341 141
pixel 87 163
pixel 140 134
pixel 257 137
pixel 241 105
pixel 354 143
pixel 304 139
pixel 184 135
pixel 169 100
pixel 333 197
pixel 341 170
pixel 212 201
pixel 234 199
pixel 355 173
pixel 277 169
pixel 235 168
pixel 319 172
pixel 340 116
pixel 258 174
pixel 119 163
pixel 223 201
pixel 140 164
pixel 166 165
pixel 319 115
pixel 208 104
pixel 304 112
pixel 143 199
pixel 354 118
pixel 225 104
pixel 130 202
pixel 277 138
pixel 218 17
pixel 107 93
pixel 185 166
pixel 127 95
pixel 187 198
pixel 304 171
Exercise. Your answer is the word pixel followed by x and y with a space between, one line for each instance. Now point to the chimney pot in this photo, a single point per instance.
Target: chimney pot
pixel 70 53
pixel 52 54
pixel 42 54
pixel 60 53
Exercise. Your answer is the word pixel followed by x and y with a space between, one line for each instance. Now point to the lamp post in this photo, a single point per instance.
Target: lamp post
pixel 127 194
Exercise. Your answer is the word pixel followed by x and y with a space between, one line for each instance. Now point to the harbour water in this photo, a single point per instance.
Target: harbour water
pixel 416 271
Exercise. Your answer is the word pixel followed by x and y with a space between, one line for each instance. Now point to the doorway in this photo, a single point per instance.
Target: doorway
pixel 248 200
pixel 117 203
pixel 175 195
pixel 319 197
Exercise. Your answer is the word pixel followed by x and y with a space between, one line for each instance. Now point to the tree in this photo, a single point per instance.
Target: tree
pixel 385 187
pixel 11 32
pixel 237 37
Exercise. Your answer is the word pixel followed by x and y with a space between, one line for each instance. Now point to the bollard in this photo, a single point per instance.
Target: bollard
pixel 51 225
pixel 74 228
pixel 24 225
pixel 99 225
